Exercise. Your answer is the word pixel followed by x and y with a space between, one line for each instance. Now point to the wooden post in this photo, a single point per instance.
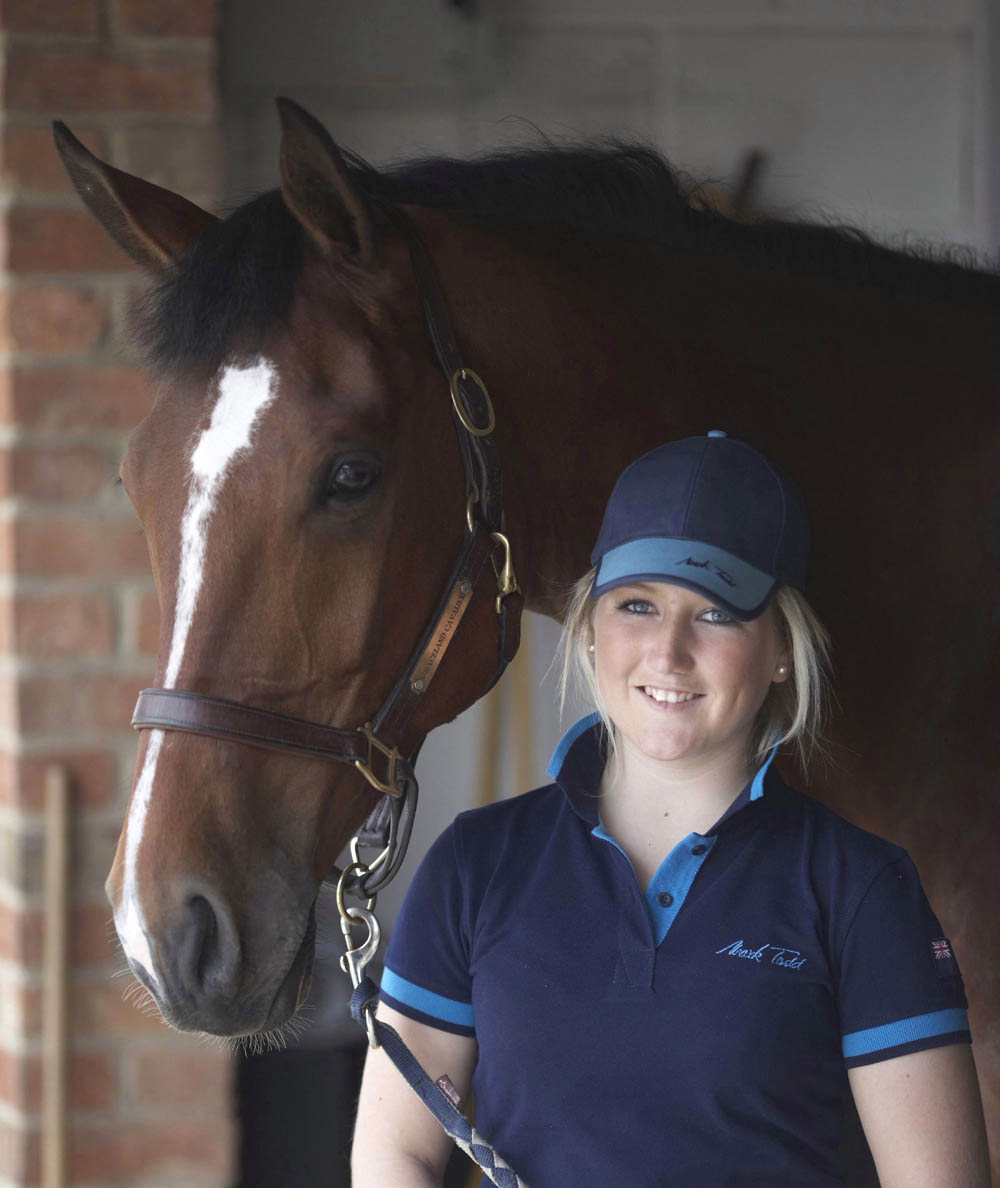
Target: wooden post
pixel 55 1029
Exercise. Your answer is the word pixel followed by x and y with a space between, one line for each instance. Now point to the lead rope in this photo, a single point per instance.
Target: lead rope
pixel 380 1035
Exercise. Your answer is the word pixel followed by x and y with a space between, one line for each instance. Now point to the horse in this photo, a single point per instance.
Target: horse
pixel 304 500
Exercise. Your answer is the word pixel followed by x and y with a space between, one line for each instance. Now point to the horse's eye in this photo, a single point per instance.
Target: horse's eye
pixel 352 476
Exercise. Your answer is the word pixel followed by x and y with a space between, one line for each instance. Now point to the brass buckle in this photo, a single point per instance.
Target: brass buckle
pixel 506 581
pixel 390 754
pixel 460 412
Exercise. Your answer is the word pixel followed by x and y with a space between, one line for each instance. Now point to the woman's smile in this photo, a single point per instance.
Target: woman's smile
pixel 668 698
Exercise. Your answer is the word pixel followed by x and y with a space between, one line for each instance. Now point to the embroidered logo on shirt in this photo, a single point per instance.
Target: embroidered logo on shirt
pixel 945 965
pixel 774 954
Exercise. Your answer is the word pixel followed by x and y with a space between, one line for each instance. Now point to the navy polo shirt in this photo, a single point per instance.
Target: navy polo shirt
pixel 695 1034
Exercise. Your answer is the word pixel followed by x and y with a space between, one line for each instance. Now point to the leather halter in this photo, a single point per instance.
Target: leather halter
pixel 381 749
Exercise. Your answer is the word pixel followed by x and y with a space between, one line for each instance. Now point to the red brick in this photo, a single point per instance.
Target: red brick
pixel 21 934
pixel 20 1008
pixel 91 1081
pixel 180 1080
pixel 93 938
pixel 77 545
pixel 8 700
pixel 179 18
pixel 148 625
pixel 6 625
pixel 68 79
pixel 62 624
pixel 73 472
pixel 28 157
pixel 20 1154
pixel 42 240
pixel 20 1080
pixel 86 702
pixel 6 551
pixel 98 1008
pixel 183 1152
pixel 51 16
pixel 70 398
pixel 186 159
pixel 52 319
pixel 92 779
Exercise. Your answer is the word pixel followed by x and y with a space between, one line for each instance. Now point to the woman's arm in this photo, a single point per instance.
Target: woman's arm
pixel 923 1118
pixel 397 1140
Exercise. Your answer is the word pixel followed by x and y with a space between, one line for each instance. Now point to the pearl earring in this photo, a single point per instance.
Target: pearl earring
pixel 590 647
pixel 782 669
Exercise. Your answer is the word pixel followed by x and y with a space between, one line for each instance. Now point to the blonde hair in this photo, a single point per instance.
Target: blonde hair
pixel 794 711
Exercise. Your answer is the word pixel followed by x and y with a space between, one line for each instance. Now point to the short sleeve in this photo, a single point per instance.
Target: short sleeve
pixel 899 989
pixel 426 973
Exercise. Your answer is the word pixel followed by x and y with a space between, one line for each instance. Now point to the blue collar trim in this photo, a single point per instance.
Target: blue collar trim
pixel 757 783
pixel 577 763
pixel 567 740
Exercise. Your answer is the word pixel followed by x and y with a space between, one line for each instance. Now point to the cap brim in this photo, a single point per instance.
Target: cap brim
pixel 741 590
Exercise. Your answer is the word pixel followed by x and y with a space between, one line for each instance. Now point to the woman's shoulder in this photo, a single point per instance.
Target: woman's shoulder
pixel 528 810
pixel 835 836
pixel 507 835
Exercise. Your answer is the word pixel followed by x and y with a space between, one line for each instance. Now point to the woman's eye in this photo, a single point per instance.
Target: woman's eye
pixel 714 615
pixel 636 606
pixel 352 477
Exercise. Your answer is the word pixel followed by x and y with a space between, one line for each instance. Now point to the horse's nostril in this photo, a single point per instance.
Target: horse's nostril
pixel 208 949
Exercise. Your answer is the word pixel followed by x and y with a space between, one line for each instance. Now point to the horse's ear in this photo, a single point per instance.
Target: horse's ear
pixel 317 186
pixel 152 224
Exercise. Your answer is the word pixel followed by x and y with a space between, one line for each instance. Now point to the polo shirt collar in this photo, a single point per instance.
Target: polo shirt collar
pixel 578 763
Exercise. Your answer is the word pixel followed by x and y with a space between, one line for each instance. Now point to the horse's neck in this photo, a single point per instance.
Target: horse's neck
pixel 589 370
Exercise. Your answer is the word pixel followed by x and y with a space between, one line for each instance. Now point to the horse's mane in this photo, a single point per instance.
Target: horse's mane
pixel 237 281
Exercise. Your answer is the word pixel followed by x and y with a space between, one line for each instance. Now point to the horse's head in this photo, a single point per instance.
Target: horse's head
pixel 303 498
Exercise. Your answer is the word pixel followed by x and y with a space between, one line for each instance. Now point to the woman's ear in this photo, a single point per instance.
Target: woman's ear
pixel 783 659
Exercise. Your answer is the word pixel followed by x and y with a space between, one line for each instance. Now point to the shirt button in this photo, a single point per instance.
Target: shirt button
pixel 665 899
pixel 699 849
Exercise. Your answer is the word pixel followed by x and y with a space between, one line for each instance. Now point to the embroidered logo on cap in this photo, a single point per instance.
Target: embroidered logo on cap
pixel 716 569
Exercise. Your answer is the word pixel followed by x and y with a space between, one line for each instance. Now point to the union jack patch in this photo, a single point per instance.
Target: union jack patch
pixel 941 949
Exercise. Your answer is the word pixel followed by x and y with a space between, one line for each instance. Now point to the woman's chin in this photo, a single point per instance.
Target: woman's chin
pixel 660 748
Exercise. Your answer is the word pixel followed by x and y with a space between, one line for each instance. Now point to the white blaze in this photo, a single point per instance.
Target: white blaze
pixel 244 394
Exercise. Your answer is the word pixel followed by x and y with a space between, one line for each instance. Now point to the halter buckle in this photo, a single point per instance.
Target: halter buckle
pixel 392 757
pixel 506 581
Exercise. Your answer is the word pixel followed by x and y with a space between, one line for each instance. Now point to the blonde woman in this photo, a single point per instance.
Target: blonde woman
pixel 668 967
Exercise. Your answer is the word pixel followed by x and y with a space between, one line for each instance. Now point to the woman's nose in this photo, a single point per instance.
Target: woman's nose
pixel 673 645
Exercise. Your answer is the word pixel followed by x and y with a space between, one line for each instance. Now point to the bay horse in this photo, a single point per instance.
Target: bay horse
pixel 303 498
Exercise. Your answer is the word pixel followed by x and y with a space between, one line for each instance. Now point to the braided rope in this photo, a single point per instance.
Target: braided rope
pixel 458 1127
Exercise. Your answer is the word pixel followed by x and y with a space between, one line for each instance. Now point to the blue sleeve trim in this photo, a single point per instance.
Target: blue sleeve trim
pixel 426 1001
pixel 924 1045
pixel 904 1031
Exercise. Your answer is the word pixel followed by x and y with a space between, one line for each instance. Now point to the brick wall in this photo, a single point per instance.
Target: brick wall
pixel 136 80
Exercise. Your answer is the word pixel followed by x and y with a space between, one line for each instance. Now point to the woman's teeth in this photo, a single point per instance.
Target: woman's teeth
pixel 668 695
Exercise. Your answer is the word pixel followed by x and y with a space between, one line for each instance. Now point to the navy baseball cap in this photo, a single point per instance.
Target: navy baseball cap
pixel 709 513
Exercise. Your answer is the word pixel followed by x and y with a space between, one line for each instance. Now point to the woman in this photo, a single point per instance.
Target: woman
pixel 668 967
